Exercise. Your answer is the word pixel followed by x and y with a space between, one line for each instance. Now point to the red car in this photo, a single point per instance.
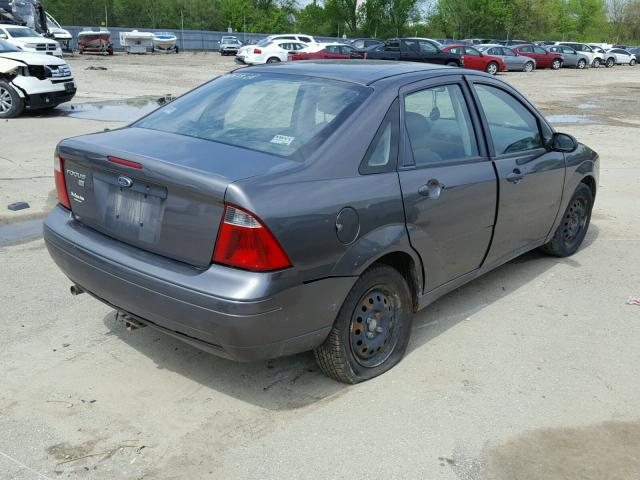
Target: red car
pixel 326 52
pixel 543 57
pixel 475 60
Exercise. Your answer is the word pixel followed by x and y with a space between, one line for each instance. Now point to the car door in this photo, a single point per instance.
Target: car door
pixel 345 52
pixel 542 56
pixel 429 52
pixel 449 185
pixel 473 59
pixel 527 50
pixel 510 58
pixel 531 177
pixel 410 51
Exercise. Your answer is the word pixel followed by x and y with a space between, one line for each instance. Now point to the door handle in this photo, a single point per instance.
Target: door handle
pixel 516 176
pixel 432 189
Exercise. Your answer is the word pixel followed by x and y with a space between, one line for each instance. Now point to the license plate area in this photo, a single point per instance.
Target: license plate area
pixel 69 87
pixel 131 213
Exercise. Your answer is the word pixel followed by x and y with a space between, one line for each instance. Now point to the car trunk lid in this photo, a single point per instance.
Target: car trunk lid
pixel 173 203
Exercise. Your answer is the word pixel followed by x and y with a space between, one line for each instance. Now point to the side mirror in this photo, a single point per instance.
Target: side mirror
pixel 3 36
pixel 563 142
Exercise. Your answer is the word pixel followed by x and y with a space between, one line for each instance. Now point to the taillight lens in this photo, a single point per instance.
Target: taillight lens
pixel 257 51
pixel 61 184
pixel 244 242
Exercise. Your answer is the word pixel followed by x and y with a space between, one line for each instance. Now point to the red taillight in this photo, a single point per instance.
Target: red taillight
pixel 257 51
pixel 244 242
pixel 126 163
pixel 61 184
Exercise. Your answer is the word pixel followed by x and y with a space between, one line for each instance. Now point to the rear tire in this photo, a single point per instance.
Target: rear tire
pixel 11 105
pixel 574 225
pixel 273 60
pixel 632 63
pixel 582 64
pixel 596 63
pixel 493 68
pixel 528 67
pixel 453 64
pixel 372 329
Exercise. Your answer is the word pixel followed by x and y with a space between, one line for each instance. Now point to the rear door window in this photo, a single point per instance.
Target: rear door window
pixel 439 126
pixel 512 126
pixel 540 50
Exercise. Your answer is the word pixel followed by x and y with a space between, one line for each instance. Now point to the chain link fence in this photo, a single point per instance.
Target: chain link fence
pixel 188 40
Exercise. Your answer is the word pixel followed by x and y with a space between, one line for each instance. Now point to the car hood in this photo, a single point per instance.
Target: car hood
pixel 32 40
pixel 33 58
pixel 8 66
pixel 60 33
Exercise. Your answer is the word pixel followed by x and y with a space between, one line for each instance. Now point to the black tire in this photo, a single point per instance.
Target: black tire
pixel 453 64
pixel 273 60
pixel 610 63
pixel 574 225
pixel 11 105
pixel 582 64
pixel 492 68
pixel 528 67
pixel 557 64
pixel 596 63
pixel 346 354
pixel 632 62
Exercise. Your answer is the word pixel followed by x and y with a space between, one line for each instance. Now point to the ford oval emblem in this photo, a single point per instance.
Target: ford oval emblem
pixel 125 182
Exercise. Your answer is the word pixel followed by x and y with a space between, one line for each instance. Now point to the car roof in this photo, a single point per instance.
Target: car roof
pixel 364 72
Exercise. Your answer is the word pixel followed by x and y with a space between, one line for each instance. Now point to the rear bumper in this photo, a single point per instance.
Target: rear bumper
pixel 235 314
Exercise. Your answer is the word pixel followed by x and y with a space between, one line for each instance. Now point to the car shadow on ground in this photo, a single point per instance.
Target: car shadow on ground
pixel 293 382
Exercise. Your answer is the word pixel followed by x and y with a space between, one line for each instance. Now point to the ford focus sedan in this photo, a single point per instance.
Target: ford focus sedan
pixel 315 206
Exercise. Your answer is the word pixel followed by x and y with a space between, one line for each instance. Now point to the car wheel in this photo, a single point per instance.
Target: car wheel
pixel 273 60
pixel 11 105
pixel 575 223
pixel 556 65
pixel 452 64
pixel 596 63
pixel 582 64
pixel 610 62
pixel 492 68
pixel 632 62
pixel 528 67
pixel 372 329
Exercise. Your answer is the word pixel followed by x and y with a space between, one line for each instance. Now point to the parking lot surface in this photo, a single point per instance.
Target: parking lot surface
pixel 530 372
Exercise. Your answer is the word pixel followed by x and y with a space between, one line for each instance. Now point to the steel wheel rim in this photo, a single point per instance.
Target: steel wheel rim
pixel 6 101
pixel 373 331
pixel 575 220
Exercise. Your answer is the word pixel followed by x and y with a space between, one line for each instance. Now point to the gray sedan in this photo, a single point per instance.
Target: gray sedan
pixel 572 58
pixel 314 206
pixel 513 61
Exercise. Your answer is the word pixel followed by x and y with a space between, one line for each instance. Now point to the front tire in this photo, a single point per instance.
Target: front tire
pixel 632 63
pixel 493 68
pixel 574 225
pixel 11 105
pixel 273 60
pixel 453 64
pixel 528 67
pixel 556 65
pixel 372 329
pixel 596 63
pixel 610 63
pixel 582 64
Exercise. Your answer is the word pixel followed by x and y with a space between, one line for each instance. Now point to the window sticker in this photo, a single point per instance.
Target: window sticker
pixel 282 140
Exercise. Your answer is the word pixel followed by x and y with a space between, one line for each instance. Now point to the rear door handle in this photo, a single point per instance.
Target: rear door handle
pixel 516 176
pixel 432 189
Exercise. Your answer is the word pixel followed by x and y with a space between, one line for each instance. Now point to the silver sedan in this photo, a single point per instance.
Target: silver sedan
pixel 513 61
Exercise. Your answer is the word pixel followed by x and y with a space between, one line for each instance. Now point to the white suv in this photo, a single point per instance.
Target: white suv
pixel 32 80
pixel 28 40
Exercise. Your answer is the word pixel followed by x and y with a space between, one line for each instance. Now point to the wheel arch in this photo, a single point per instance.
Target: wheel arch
pixel 590 182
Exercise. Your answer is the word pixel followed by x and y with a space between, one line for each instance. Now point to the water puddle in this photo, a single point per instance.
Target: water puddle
pixel 17 232
pixel 113 110
pixel 565 119
pixel 588 106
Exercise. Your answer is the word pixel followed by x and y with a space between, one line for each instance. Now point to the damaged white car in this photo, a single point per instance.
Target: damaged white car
pixel 32 80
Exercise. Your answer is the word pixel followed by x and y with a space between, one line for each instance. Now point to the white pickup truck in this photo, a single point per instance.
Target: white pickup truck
pixel 32 80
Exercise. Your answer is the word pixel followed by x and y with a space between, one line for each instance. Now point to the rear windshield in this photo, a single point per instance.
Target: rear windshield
pixel 284 115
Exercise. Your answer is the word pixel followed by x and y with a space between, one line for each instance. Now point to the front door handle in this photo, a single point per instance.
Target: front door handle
pixel 432 189
pixel 516 176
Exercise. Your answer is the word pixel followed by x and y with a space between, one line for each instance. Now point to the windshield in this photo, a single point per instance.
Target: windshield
pixel 284 115
pixel 21 32
pixel 6 47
